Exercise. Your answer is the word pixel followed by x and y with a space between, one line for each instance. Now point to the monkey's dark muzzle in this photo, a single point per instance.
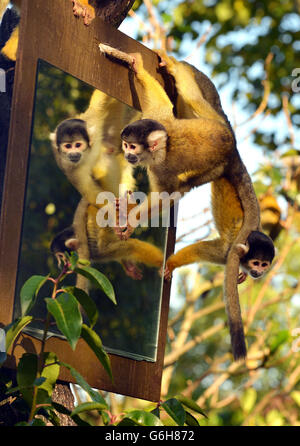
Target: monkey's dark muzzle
pixel 255 274
pixel 132 159
pixel 74 157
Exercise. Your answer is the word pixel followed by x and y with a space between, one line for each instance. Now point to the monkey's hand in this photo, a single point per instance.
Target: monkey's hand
pixel 84 10
pixel 61 259
pixel 123 208
pixel 132 270
pixel 167 61
pixel 242 277
pixel 167 273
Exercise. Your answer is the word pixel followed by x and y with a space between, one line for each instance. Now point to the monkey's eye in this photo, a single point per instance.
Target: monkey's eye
pixel 256 263
pixel 78 144
pixel 68 145
pixel 132 146
pixel 125 144
pixel 264 264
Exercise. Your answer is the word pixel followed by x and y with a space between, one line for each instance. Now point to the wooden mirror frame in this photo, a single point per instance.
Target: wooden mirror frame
pixel 49 31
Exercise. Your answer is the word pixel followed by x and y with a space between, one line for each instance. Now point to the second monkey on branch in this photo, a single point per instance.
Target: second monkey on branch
pixel 195 148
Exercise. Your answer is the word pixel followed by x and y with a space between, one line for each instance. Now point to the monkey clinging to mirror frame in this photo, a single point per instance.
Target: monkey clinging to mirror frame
pixel 87 149
pixel 180 154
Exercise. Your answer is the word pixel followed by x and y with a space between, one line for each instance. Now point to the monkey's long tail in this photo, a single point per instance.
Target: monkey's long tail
pixel 244 188
pixel 232 305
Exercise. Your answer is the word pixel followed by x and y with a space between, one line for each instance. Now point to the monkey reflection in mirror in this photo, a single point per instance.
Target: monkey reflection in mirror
pixel 87 148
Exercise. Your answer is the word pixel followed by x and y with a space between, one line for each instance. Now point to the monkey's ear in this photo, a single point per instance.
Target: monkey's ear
pixel 72 244
pixel 241 249
pixel 52 138
pixel 157 140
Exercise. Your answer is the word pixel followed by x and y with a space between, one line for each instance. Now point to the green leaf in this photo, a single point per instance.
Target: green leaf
pixel 15 328
pixel 73 259
pixel 95 396
pixel 87 304
pixel 88 406
pixel 95 343
pixel 37 422
pixel 39 381
pixel 248 399
pixel 29 292
pixel 156 412
pixel 26 375
pixel 190 420
pixel 277 340
pixel 190 404
pixel 174 408
pixel 50 372
pixel 98 279
pixel 66 313
pixel 140 418
pixel 127 422
pixel 61 409
pixel 295 394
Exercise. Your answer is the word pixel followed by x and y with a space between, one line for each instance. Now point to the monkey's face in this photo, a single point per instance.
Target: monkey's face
pixel 134 152
pixel 256 268
pixel 72 150
pixel 143 140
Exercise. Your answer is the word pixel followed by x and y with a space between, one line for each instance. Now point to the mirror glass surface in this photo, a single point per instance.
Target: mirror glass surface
pixel 129 328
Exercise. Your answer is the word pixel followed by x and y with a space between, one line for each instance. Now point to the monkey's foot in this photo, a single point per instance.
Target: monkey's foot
pixel 167 273
pixel 242 277
pixel 87 12
pixel 117 54
pixel 132 270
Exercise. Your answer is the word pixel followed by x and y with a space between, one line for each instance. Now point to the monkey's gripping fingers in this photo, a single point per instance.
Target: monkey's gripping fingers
pixel 87 12
pixel 117 54
pixel 167 272
pixel 132 270
pixel 124 233
pixel 242 277
pixel 166 61
pixel 61 259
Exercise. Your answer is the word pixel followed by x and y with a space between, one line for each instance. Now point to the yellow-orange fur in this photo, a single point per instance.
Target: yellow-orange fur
pixel 228 217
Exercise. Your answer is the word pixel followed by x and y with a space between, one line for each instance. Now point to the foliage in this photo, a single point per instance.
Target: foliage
pixel 37 374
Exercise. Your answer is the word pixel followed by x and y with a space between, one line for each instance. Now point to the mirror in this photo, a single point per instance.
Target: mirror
pixel 130 328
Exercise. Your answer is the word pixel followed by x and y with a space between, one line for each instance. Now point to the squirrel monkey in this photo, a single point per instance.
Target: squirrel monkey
pixel 88 147
pixel 196 148
pixel 270 215
pixel 88 150
pixel 255 256
pixel 101 245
